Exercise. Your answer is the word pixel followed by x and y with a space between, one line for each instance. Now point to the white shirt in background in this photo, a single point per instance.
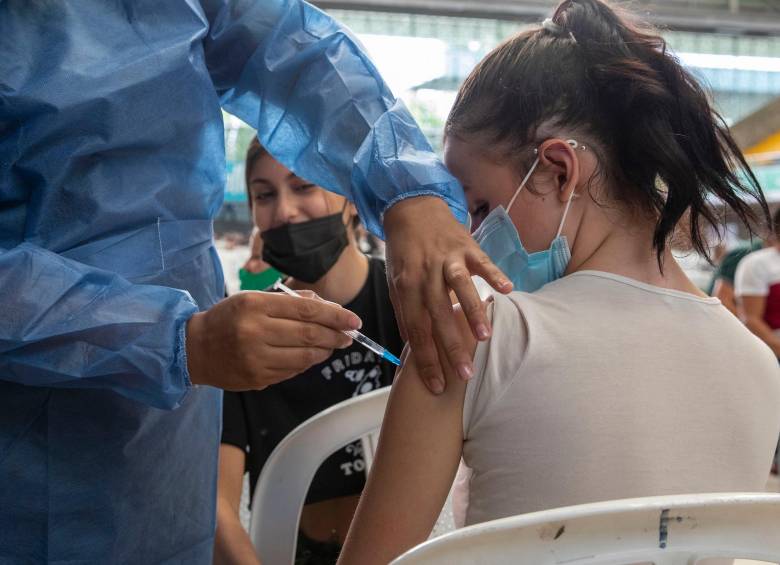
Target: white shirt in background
pixel 758 274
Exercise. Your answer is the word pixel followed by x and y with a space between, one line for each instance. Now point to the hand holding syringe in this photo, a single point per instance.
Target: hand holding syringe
pixel 366 342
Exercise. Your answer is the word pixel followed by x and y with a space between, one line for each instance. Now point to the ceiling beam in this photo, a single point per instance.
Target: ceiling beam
pixel 675 15
pixel 757 126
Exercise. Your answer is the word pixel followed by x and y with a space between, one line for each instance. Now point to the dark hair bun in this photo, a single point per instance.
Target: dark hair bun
pixel 592 68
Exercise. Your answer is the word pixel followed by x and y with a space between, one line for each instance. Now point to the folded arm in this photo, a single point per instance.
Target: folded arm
pixel 751 309
pixel 724 291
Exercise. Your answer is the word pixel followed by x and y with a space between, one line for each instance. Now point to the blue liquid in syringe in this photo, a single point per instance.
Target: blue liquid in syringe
pixel 366 342
pixel 369 343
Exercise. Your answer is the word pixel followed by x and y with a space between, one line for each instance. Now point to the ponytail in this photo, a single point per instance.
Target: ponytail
pixel 593 72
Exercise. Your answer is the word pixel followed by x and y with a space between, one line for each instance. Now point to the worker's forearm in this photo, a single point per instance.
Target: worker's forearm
pixel 232 545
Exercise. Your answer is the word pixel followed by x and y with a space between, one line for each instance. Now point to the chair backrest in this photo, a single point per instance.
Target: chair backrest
pixel 284 481
pixel 665 530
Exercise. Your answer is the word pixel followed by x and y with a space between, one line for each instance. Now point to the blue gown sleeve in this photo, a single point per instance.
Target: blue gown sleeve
pixel 320 106
pixel 74 326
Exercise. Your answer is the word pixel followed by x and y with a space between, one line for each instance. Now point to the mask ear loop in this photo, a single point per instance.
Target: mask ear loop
pixel 565 213
pixel 525 180
pixel 574 145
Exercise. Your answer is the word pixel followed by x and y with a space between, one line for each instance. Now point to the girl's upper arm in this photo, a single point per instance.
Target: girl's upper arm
pixel 418 454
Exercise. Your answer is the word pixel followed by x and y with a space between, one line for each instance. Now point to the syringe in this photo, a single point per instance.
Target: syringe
pixel 366 342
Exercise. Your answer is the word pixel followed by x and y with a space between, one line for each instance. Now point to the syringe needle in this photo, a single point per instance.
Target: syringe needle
pixel 363 340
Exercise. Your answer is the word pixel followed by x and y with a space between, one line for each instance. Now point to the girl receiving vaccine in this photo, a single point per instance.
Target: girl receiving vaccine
pixel 309 234
pixel 583 146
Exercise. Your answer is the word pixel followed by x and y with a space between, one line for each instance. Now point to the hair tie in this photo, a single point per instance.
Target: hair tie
pixel 552 27
pixel 557 30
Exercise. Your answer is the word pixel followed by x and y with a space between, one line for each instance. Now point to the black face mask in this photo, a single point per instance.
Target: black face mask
pixel 308 250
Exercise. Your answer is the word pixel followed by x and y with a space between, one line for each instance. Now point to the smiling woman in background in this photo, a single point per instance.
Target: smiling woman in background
pixel 308 233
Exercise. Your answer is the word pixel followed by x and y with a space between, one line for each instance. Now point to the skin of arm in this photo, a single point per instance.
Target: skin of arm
pixel 724 291
pixel 232 545
pixel 413 470
pixel 429 253
pixel 751 310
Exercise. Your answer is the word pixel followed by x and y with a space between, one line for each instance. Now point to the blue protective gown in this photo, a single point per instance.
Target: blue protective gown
pixel 111 170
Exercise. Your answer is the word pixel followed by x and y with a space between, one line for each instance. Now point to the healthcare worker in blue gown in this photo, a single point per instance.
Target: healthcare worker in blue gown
pixel 111 329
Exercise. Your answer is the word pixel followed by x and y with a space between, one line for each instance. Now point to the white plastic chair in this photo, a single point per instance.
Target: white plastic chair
pixel 664 530
pixel 282 486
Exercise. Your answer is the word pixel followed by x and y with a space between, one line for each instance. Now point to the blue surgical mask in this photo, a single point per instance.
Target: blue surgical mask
pixel 498 238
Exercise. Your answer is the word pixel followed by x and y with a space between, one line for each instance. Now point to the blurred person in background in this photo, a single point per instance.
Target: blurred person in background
pixel 722 282
pixel 757 289
pixel 311 234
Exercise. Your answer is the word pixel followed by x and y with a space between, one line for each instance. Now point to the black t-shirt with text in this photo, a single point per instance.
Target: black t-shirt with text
pixel 256 421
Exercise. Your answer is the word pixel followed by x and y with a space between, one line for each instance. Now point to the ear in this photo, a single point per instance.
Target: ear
pixel 560 157
pixel 349 214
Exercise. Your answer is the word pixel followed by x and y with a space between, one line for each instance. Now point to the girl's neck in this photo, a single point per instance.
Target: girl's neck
pixel 626 251
pixel 342 283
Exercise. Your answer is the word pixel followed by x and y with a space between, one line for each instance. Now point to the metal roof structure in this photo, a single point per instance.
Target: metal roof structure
pixel 758 125
pixel 722 16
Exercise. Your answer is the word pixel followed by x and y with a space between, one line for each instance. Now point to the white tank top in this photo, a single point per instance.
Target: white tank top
pixel 599 387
